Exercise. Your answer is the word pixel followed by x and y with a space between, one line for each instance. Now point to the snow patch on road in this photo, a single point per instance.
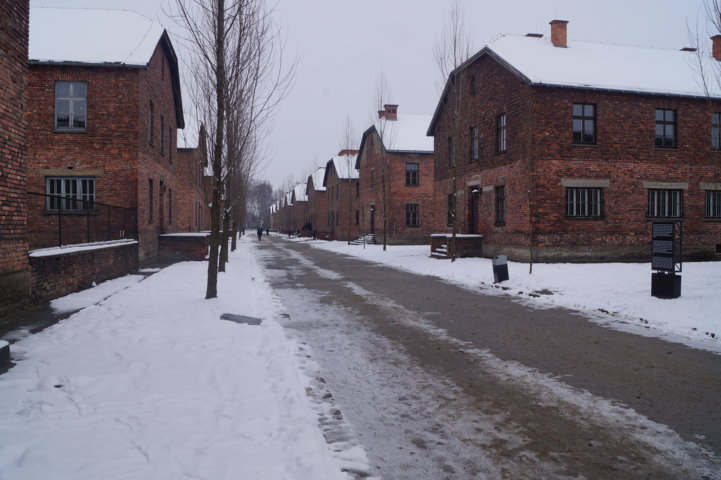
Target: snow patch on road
pixel 668 447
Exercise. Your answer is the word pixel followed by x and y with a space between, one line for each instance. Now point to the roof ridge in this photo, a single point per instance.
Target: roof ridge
pixel 593 42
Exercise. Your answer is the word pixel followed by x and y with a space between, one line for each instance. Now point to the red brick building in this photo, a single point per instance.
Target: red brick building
pixel 104 107
pixel 342 192
pixel 194 196
pixel 299 210
pixel 396 158
pixel 570 150
pixel 14 267
pixel 317 204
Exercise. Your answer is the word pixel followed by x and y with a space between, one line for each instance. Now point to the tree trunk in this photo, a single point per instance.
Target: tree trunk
pixel 234 233
pixel 211 290
pixel 224 245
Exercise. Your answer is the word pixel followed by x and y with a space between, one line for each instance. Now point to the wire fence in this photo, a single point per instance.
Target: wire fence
pixel 56 220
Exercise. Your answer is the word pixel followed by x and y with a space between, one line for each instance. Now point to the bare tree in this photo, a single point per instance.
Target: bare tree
pixel 239 79
pixel 384 132
pixel 452 49
pixel 348 145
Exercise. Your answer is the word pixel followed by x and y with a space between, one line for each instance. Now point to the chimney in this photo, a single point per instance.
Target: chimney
pixel 390 112
pixel 688 49
pixel 558 33
pixel 716 47
pixel 535 35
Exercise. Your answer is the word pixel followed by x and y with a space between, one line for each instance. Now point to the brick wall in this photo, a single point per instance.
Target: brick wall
pixel 342 205
pixel 14 276
pixel 191 205
pixel 183 247
pixel 58 275
pixel 105 151
pixel 318 210
pixel 155 159
pixel 373 158
pixel 541 156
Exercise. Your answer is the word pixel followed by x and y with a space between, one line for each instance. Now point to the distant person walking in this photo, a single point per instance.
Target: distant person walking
pixel 260 233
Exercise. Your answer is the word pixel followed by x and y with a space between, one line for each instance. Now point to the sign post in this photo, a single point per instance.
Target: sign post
pixel 666 253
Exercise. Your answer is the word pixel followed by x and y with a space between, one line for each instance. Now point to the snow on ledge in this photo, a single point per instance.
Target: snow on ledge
pixel 458 235
pixel 3 344
pixel 189 234
pixel 80 247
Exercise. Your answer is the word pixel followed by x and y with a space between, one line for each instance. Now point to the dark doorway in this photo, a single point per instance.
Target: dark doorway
pixel 161 211
pixel 473 198
pixel 373 219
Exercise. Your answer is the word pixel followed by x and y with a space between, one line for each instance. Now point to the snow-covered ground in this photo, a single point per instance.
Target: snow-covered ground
pixel 147 382
pixel 614 294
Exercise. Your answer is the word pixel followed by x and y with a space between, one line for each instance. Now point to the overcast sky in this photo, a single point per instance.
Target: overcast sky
pixel 343 45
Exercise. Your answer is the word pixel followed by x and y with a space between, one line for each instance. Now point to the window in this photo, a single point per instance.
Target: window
pixel 162 135
pixel 357 217
pixel 583 202
pixel 501 205
pixel 501 140
pixel 665 128
pixel 411 215
pixel 151 119
pixel 716 131
pixel 170 144
pixel 713 204
pixel 451 209
pixel 584 123
pixel 337 217
pixel 664 203
pixel 73 193
pixel 150 200
pixel 472 84
pixel 474 144
pixel 70 105
pixel 357 189
pixel 451 152
pixel 411 174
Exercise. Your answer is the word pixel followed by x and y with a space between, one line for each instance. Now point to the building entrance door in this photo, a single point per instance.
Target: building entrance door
pixel 473 198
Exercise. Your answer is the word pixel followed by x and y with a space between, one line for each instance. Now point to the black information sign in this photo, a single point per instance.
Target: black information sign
pixel 664 256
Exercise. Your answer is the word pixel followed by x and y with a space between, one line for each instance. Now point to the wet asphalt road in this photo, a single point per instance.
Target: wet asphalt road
pixel 559 396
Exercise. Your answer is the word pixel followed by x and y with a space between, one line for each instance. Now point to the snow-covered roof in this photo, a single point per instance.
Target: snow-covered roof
pixel 317 178
pixel 406 134
pixel 299 193
pixel 602 65
pixel 95 36
pixel 345 166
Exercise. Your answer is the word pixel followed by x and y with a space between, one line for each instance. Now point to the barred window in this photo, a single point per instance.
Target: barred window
pixel 584 123
pixel 70 193
pixel 501 205
pixel 411 174
pixel 664 203
pixel 665 128
pixel 712 207
pixel 71 105
pixel 501 139
pixel 716 131
pixel 411 215
pixel 584 202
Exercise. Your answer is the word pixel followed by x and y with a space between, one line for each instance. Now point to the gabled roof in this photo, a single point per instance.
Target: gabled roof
pixel 317 179
pixel 406 134
pixel 344 166
pixel 595 66
pixel 101 38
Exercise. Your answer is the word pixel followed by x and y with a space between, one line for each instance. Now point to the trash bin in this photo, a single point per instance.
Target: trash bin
pixel 500 268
